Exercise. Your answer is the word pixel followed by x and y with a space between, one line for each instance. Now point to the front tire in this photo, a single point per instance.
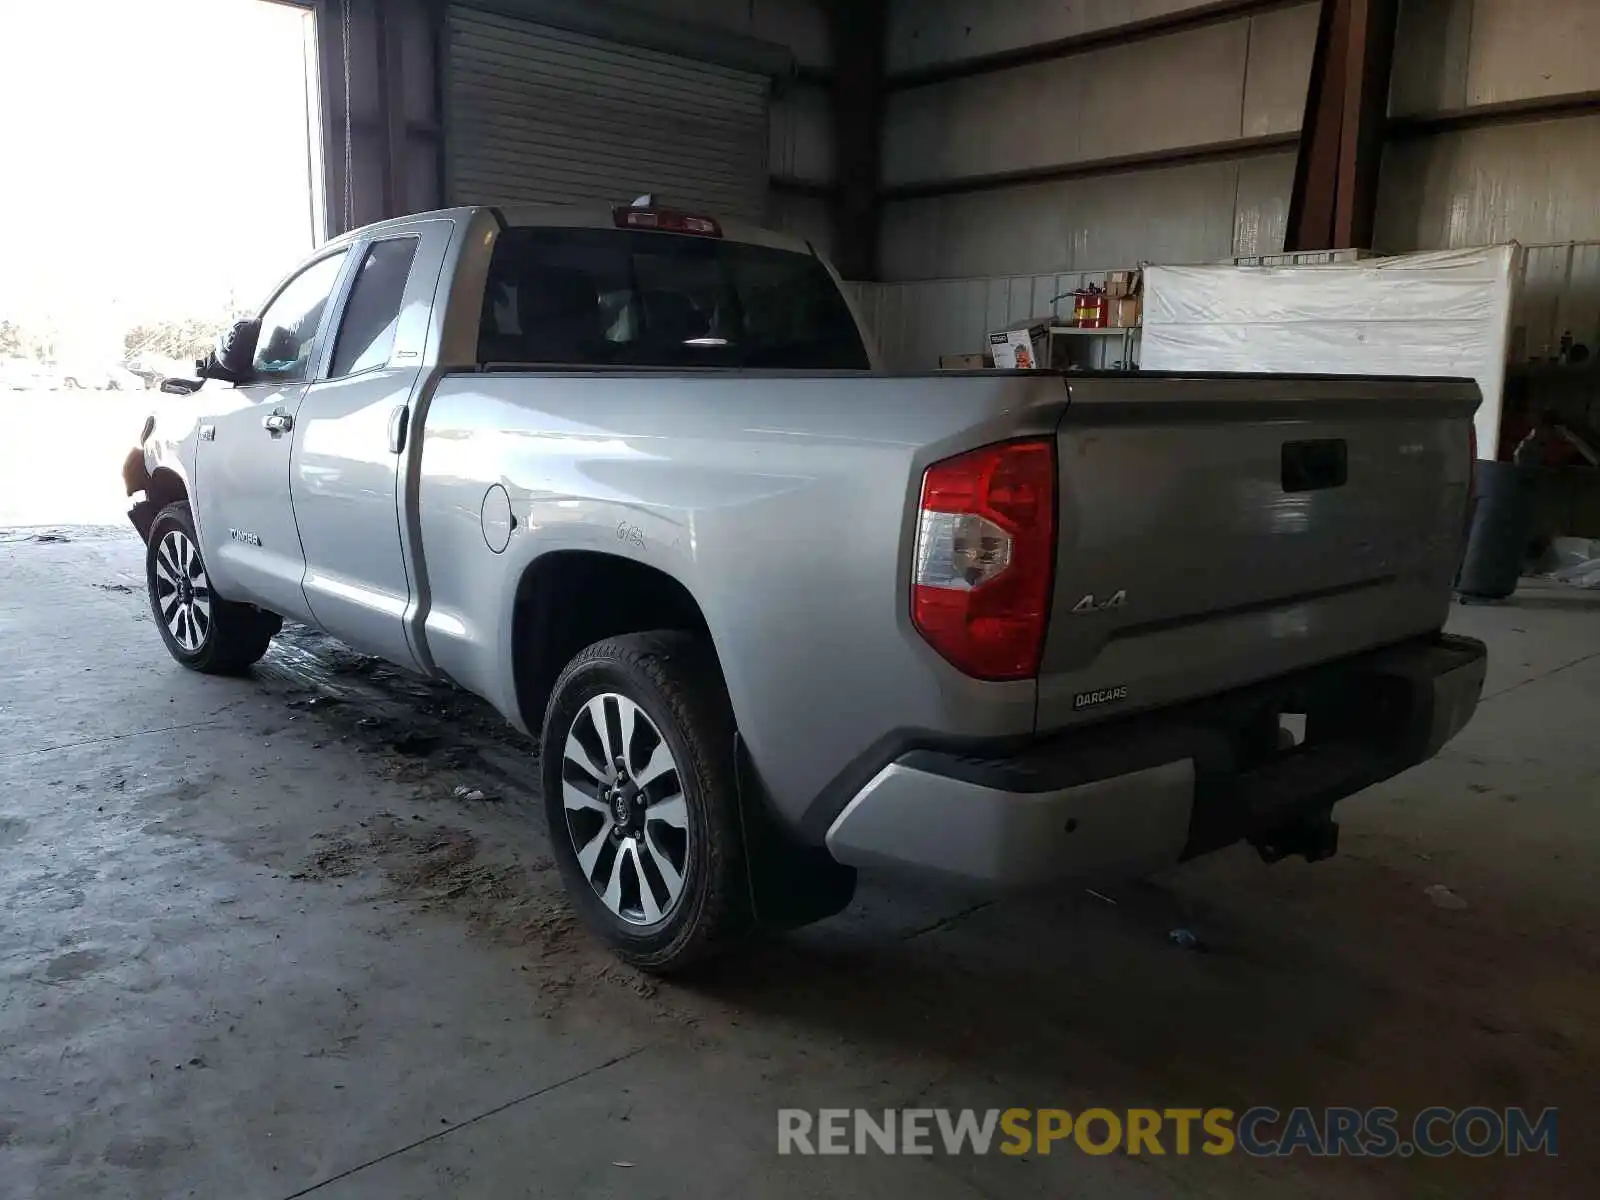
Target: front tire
pixel 201 630
pixel 640 790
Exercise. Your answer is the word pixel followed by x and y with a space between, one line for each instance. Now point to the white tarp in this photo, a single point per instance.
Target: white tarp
pixel 1443 313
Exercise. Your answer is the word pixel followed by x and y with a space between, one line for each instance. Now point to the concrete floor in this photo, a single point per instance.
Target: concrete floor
pixel 253 946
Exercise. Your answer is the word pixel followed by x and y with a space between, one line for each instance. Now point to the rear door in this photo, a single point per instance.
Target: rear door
pixel 247 522
pixel 353 428
pixel 1216 531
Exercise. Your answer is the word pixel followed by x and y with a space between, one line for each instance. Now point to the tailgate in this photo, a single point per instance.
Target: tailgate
pixel 1218 530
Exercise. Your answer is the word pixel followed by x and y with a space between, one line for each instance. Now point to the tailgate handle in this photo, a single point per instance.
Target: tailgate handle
pixel 1315 466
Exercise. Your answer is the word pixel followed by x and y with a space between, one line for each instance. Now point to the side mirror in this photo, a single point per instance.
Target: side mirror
pixel 236 348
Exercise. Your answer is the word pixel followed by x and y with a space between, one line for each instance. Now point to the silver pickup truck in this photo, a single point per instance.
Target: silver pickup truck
pixel 774 615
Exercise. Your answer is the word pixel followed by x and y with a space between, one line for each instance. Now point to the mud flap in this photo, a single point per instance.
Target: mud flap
pixel 136 482
pixel 143 515
pixel 790 884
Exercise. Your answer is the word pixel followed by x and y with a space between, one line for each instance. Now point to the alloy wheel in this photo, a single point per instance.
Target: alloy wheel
pixel 626 812
pixel 183 593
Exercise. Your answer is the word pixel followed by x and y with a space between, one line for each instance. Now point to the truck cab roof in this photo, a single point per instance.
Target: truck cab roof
pixel 581 216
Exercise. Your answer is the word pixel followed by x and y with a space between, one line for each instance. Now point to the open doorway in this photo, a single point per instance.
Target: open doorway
pixel 158 179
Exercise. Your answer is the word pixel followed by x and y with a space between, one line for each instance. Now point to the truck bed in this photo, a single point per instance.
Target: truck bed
pixel 786 503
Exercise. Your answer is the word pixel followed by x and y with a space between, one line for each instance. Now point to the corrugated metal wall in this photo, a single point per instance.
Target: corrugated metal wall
pixel 1176 214
pixel 1560 294
pixel 1220 83
pixel 985 256
pixel 797 24
pixel 1453 54
pixel 1538 182
pixel 801 146
pixel 917 322
pixel 541 115
pixel 925 32
pixel 1215 84
pixel 801 133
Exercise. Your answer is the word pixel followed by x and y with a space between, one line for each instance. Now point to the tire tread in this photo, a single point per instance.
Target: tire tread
pixel 242 633
pixel 683 670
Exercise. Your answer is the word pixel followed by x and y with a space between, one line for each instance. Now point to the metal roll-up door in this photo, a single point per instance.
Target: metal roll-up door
pixel 540 115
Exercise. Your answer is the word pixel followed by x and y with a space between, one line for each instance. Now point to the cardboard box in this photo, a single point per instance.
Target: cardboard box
pixel 964 362
pixel 1126 312
pixel 1123 283
pixel 1022 347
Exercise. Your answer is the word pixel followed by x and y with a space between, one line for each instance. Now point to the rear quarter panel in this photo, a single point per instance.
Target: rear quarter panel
pixel 783 503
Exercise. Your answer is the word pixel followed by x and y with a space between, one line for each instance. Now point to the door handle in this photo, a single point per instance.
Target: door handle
pixel 1315 466
pixel 277 423
pixel 399 421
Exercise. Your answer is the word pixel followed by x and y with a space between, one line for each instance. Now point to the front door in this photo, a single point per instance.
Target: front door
pixel 352 431
pixel 246 517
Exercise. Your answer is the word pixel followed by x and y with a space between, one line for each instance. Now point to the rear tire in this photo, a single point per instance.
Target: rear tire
pixel 201 630
pixel 641 794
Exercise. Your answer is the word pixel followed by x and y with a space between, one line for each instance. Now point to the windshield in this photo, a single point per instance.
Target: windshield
pixel 629 298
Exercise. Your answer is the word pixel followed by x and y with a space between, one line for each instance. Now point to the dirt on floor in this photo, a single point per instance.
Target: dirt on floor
pixel 303 931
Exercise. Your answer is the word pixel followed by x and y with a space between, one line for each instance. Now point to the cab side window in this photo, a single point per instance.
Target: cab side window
pixel 366 333
pixel 289 324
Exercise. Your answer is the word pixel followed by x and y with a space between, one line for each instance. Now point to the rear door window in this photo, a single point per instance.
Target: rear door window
pixel 631 298
pixel 366 334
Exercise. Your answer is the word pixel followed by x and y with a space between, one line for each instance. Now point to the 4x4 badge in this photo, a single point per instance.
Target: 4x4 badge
pixel 1119 599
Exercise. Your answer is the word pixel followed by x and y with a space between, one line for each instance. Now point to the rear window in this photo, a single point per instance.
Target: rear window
pixel 628 298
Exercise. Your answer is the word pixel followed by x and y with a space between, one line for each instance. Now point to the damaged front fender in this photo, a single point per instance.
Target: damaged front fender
pixel 136 482
pixel 135 474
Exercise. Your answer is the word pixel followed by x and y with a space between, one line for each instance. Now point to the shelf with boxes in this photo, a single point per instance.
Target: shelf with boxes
pixel 1101 332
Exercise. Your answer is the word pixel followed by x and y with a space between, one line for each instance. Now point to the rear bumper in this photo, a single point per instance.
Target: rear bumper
pixel 1128 797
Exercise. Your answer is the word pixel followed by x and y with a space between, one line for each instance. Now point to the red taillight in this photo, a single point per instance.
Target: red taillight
pixel 985 553
pixel 666 220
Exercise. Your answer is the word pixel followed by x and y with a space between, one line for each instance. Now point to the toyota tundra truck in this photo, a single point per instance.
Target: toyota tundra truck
pixel 773 614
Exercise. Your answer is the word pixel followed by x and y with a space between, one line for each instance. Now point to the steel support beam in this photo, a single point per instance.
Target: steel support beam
pixel 1505 112
pixel 378 74
pixel 857 29
pixel 1232 150
pixel 1335 194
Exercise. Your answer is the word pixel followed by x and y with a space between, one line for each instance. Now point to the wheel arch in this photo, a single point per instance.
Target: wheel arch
pixel 566 600
pixel 166 487
pixel 159 488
